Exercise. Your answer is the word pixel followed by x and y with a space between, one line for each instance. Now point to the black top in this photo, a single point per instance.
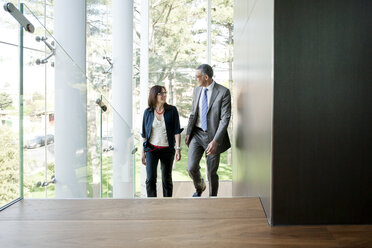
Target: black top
pixel 172 125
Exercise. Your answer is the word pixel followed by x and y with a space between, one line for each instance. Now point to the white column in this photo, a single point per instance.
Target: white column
pixel 209 32
pixel 144 76
pixel 209 5
pixel 122 53
pixel 70 99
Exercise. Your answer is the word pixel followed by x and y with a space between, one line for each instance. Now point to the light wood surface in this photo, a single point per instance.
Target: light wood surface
pixel 203 222
pixel 183 189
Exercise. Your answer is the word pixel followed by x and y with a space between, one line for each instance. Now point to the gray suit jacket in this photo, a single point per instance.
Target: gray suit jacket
pixel 218 116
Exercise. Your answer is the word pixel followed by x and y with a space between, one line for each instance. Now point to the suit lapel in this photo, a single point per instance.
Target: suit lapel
pixel 166 116
pixel 198 92
pixel 151 120
pixel 214 95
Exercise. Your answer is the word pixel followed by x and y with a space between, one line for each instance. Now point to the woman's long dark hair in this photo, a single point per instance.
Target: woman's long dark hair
pixel 154 91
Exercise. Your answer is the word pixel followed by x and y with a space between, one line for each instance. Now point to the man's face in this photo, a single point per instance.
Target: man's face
pixel 201 79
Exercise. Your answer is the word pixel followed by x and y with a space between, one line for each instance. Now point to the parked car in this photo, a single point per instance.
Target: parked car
pixel 39 141
pixel 50 139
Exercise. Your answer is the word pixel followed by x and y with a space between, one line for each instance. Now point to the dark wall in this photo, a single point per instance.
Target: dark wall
pixel 322 135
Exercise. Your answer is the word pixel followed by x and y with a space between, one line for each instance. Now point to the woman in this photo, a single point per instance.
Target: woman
pixel 160 132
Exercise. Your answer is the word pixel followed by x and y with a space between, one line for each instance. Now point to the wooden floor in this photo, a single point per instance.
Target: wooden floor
pixel 203 222
pixel 182 189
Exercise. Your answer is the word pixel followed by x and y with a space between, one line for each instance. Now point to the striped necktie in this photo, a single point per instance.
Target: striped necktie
pixel 204 111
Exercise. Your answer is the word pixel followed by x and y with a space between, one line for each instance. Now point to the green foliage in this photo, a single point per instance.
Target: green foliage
pixel 37 96
pixel 175 48
pixel 9 167
pixel 222 12
pixel 99 43
pixel 31 107
pixel 107 167
pixel 5 100
pixel 39 192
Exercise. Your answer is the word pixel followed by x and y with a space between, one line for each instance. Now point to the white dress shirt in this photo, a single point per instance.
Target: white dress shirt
pixel 209 94
pixel 158 135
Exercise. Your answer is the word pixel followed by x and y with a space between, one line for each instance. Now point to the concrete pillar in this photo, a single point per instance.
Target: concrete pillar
pixel 209 22
pixel 122 52
pixel 70 99
pixel 144 75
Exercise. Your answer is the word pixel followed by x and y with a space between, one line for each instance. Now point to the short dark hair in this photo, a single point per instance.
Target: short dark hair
pixel 154 91
pixel 206 69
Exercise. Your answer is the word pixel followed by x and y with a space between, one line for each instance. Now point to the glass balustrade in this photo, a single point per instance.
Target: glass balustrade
pixel 75 143
pixel 9 111
pixel 67 139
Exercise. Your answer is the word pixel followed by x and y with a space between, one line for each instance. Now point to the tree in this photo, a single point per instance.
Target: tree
pixel 5 100
pixel 99 37
pixel 37 96
pixel 222 20
pixel 9 167
pixel 175 48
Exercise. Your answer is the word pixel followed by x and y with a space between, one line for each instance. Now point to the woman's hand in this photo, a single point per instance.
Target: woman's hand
pixel 178 155
pixel 144 158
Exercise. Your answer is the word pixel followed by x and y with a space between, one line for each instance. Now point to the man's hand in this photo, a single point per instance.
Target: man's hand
pixel 143 158
pixel 187 139
pixel 212 148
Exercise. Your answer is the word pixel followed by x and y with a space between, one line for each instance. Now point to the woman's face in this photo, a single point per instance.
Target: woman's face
pixel 162 96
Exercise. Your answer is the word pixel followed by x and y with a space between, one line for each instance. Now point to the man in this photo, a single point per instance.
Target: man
pixel 207 128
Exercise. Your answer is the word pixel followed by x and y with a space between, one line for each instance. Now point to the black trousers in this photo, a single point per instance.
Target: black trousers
pixel 166 157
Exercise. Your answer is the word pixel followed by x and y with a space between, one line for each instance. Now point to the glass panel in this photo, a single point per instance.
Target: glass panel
pixel 38 140
pixel 176 47
pixel 9 27
pixel 9 109
pixel 221 59
pixel 71 116
pixel 39 133
pixel 94 144
pixel 181 95
pixel 117 180
pixel 9 121
pixel 107 151
pixel 118 172
pixel 99 45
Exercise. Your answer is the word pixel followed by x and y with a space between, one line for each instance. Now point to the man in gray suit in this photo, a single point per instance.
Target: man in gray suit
pixel 207 128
